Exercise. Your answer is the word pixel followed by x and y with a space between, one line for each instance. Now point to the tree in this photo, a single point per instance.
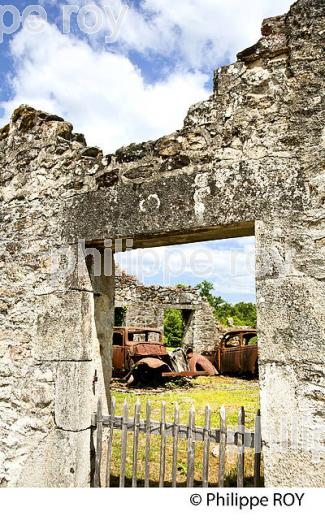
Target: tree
pixel 173 328
pixel 243 314
pixel 246 313
pixel 205 289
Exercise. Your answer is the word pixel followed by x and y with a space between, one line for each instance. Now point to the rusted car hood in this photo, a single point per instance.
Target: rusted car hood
pixel 147 349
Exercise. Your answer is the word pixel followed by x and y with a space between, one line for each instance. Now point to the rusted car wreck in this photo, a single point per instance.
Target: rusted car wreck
pixel 237 352
pixel 139 354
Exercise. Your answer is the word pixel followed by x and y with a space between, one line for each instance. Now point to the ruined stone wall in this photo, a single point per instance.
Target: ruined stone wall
pixel 145 306
pixel 248 160
pixel 206 332
pixel 290 281
pixel 49 338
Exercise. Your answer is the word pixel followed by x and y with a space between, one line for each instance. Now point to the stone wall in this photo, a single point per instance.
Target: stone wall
pixel 247 160
pixel 145 307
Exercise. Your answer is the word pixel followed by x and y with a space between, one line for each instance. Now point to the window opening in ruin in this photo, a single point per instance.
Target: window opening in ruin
pixel 119 316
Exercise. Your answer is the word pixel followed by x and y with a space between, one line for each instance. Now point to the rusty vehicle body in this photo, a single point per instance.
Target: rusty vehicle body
pixel 141 352
pixel 236 353
pixel 130 345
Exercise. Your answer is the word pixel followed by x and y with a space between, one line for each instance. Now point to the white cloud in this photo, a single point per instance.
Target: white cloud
pixel 202 32
pixel 101 92
pixel 104 94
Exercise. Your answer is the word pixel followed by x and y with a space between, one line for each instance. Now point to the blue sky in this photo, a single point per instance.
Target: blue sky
pixel 228 264
pixel 128 71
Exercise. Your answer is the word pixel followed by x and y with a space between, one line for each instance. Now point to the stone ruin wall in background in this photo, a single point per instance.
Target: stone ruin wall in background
pixel 145 306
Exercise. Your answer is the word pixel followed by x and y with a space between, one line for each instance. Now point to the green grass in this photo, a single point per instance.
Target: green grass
pixel 216 391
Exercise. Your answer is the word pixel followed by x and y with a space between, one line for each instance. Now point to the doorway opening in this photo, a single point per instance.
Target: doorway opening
pixel 199 299
pixel 178 327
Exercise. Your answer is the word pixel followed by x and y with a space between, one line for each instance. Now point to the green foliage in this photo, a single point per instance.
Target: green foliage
pixel 205 288
pixel 173 328
pixel 243 314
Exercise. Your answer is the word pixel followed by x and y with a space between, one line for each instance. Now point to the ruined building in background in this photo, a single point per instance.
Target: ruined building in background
pixel 145 306
pixel 247 161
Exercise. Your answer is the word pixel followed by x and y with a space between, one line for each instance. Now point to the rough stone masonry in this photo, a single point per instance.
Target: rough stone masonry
pixel 247 160
pixel 145 306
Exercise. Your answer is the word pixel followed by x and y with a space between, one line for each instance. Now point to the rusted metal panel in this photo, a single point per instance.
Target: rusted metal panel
pixel 145 349
pixel 249 358
pixel 152 363
pixel 149 370
pixel 235 353
pixel 230 360
pixel 135 335
pixel 211 355
pixel 186 373
pixel 119 358
pixel 198 362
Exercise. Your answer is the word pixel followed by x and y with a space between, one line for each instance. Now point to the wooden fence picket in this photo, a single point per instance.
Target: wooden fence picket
pixel 257 450
pixel 190 448
pixel 175 444
pixel 124 442
pixel 206 447
pixel 110 443
pixel 222 446
pixel 162 445
pixel 147 450
pixel 241 447
pixel 136 430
